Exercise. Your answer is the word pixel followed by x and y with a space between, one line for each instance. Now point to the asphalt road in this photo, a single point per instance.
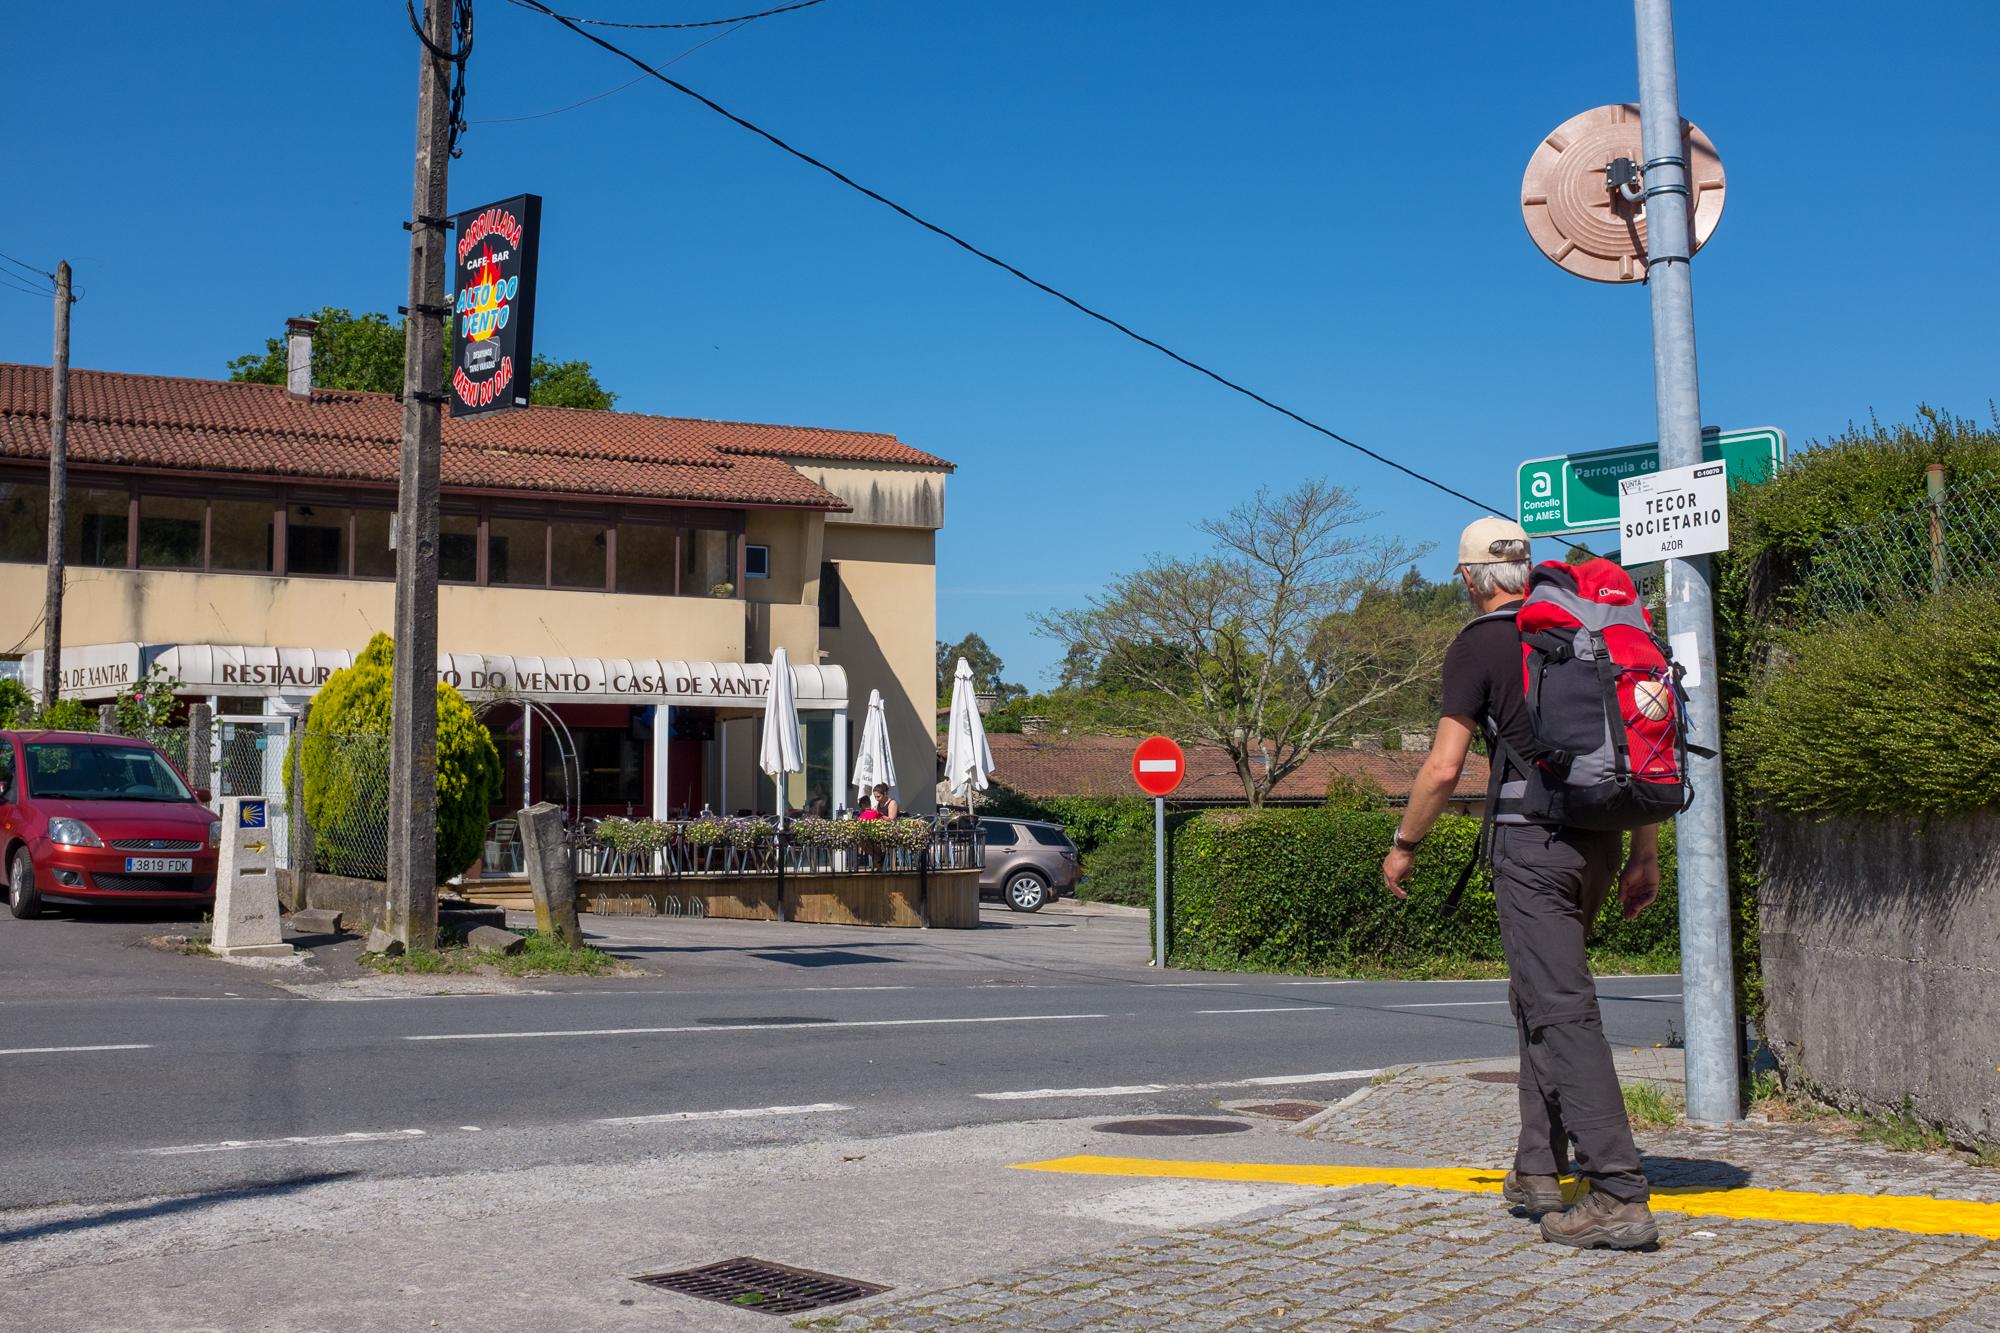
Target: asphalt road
pixel 126 1073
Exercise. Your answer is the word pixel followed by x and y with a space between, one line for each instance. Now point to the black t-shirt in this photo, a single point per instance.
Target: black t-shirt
pixel 1482 681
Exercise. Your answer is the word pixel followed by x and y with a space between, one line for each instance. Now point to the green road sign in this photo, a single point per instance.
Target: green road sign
pixel 1579 492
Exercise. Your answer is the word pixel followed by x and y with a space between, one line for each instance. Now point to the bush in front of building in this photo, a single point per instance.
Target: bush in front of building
pixel 345 762
pixel 1301 890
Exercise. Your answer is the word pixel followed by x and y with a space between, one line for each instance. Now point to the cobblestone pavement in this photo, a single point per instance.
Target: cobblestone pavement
pixel 1381 1257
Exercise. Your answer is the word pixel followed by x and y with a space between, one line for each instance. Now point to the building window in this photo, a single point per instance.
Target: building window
pixel 756 562
pixel 374 558
pixel 517 552
pixel 24 522
pixel 316 539
pixel 458 548
pixel 612 764
pixel 170 531
pixel 829 595
pixel 239 535
pixel 94 528
pixel 706 568
pixel 577 553
pixel 646 559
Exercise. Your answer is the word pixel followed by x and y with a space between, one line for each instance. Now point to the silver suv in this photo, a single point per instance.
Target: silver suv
pixel 1028 862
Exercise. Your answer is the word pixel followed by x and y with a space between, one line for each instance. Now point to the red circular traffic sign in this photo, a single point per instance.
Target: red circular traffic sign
pixel 1158 766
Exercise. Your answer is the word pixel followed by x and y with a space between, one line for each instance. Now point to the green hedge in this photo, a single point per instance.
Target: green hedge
pixel 1302 890
pixel 1882 715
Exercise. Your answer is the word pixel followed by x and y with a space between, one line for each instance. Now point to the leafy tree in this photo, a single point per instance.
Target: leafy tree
pixel 17 705
pixel 986 668
pixel 365 353
pixel 346 767
pixel 1267 646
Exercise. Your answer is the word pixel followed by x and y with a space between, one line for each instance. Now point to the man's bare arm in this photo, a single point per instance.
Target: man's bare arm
pixel 1431 793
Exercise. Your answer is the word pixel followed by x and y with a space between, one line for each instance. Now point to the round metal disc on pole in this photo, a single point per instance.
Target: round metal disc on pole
pixel 1585 223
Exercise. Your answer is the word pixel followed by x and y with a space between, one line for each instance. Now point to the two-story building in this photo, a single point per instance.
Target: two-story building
pixel 612 584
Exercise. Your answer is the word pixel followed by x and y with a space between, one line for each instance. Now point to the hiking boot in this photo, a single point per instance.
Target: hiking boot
pixel 1535 1194
pixel 1600 1222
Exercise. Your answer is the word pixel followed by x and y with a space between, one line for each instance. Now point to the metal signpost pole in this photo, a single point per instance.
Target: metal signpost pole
pixel 1708 973
pixel 1160 881
pixel 412 868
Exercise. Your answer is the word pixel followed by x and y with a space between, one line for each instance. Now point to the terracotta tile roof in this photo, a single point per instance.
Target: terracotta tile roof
pixel 220 426
pixel 1052 764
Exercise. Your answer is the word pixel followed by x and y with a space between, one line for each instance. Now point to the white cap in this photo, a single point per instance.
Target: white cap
pixel 1492 541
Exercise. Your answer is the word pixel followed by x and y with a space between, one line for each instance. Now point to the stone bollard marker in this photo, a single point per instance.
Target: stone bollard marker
pixel 550 873
pixel 246 889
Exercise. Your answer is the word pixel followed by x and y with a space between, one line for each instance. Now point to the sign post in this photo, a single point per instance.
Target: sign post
pixel 1158 766
pixel 246 892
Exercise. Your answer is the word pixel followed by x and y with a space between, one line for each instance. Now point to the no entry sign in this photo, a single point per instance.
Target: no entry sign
pixel 1158 766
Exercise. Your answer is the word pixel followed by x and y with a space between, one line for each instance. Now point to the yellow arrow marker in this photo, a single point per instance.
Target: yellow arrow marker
pixel 255 846
pixel 1894 1212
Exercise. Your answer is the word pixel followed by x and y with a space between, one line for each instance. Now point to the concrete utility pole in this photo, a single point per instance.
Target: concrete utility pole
pixel 58 490
pixel 412 861
pixel 1708 977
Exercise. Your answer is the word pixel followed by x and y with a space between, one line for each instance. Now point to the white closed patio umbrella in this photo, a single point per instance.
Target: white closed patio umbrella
pixel 967 757
pixel 873 763
pixel 780 752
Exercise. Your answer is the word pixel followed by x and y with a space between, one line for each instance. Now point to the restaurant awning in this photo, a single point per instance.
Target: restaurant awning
pixel 98 671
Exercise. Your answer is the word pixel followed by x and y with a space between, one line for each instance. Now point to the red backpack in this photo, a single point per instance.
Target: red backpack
pixel 1606 704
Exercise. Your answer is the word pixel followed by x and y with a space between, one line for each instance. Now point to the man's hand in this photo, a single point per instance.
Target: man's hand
pixel 1640 884
pixel 1396 868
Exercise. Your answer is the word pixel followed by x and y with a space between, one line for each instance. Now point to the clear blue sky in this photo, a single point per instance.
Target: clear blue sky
pixel 1213 174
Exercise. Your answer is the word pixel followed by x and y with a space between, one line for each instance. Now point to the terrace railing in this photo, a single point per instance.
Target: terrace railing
pixel 668 849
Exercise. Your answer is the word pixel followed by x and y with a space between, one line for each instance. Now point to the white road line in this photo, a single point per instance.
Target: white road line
pixel 1139 1089
pixel 1206 985
pixel 1675 996
pixel 1444 1004
pixel 300 1141
pixel 1342 981
pixel 65 1050
pixel 749 1027
pixel 742 1113
pixel 1279 1009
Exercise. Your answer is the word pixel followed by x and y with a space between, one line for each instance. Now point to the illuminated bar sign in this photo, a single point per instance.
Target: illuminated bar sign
pixel 493 323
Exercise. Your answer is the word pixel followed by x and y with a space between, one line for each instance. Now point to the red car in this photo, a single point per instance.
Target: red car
pixel 101 819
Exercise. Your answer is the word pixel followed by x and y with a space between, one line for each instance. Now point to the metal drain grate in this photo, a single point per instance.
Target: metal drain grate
pixel 1171 1126
pixel 1284 1110
pixel 756 1284
pixel 1506 1076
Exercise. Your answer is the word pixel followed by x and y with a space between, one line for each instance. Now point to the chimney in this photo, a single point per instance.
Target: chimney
pixel 1417 741
pixel 1034 725
pixel 299 357
pixel 1370 743
pixel 984 700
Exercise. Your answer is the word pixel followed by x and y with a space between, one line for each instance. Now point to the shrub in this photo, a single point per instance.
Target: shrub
pixel 345 762
pixel 65 715
pixel 1290 889
pixel 1882 715
pixel 17 705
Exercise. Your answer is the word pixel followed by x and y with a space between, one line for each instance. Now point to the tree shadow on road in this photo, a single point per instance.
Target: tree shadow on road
pixel 184 1203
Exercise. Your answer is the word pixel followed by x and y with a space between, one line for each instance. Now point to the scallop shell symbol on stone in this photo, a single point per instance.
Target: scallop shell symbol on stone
pixel 1587 226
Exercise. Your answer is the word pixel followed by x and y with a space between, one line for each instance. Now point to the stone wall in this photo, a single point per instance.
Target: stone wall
pixel 1881 955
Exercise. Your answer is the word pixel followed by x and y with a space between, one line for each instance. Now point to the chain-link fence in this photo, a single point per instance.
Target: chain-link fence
pixel 343 800
pixel 1950 537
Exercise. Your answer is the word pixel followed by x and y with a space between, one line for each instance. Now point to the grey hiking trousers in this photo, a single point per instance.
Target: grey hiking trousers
pixel 1550 884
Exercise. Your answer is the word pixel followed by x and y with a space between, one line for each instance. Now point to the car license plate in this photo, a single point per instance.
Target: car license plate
pixel 159 865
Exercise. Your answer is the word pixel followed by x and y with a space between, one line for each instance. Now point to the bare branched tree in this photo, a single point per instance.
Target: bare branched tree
pixel 1269 645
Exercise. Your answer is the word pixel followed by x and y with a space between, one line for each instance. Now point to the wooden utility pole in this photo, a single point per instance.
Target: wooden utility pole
pixel 58 490
pixel 412 860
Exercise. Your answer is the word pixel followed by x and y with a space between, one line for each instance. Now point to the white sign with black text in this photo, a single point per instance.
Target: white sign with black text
pixel 1674 514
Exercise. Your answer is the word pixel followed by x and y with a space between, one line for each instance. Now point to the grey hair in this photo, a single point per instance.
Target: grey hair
pixel 1499 576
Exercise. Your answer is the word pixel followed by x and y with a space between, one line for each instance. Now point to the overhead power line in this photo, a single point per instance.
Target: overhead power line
pixel 574 19
pixel 608 92
pixel 1006 267
pixel 31 270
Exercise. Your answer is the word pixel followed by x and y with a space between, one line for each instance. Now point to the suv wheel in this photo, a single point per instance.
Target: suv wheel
pixel 23 899
pixel 1026 891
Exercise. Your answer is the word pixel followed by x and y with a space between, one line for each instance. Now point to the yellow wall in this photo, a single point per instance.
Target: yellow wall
pixel 887 640
pixel 120 606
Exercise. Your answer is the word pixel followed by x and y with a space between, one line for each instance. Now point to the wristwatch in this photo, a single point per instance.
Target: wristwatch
pixel 1404 844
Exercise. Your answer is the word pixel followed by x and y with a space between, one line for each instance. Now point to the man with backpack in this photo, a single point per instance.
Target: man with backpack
pixel 1580 709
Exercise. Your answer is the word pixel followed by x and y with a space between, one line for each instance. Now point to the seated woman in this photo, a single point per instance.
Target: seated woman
pixel 883 803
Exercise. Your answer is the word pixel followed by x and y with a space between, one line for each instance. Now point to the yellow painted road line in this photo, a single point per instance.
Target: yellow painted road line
pixel 1894 1212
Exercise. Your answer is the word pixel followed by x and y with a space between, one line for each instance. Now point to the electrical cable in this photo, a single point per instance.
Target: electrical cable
pixel 461 31
pixel 8 281
pixel 1003 265
pixel 598 97
pixel 705 23
pixel 32 270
